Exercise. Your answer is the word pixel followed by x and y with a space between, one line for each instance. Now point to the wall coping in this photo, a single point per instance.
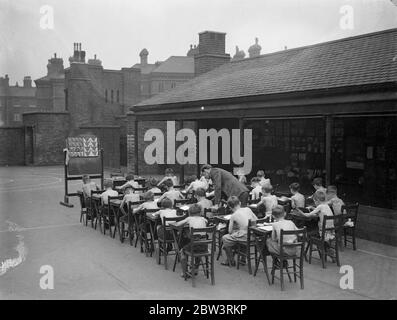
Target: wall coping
pixel 46 112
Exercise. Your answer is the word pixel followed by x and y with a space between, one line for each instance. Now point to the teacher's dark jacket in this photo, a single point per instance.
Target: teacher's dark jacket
pixel 224 181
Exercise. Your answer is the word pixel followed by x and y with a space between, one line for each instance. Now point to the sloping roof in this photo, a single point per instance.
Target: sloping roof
pixel 22 91
pixel 146 69
pixel 49 78
pixel 176 64
pixel 360 60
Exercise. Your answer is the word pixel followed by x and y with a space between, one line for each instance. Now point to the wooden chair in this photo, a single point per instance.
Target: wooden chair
pixel 140 190
pixel 166 243
pixel 283 258
pixel 83 209
pixel 247 249
pixel 192 254
pixel 324 246
pixel 263 253
pixel 96 209
pixel 129 221
pixel 142 229
pixel 349 231
pixel 111 215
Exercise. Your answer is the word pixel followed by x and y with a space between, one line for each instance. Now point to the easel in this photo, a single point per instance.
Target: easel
pixel 69 177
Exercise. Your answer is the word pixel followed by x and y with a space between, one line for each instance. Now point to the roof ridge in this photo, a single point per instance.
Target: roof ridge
pixel 364 35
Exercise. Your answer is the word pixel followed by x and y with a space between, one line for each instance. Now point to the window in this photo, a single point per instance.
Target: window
pixel 118 96
pixel 17 117
pixel 106 95
pixel 173 85
pixel 111 96
pixel 32 106
pixel 17 105
pixel 161 86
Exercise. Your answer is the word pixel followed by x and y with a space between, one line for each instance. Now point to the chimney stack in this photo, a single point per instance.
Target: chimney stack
pixel 144 56
pixel 27 82
pixel 211 52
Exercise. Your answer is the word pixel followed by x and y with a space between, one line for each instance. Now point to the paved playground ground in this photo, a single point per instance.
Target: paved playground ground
pixel 36 231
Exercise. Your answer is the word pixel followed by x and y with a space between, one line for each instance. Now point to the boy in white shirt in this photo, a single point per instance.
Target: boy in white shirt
pixel 88 186
pixel 109 192
pixel 153 186
pixel 273 243
pixel 165 212
pixel 129 196
pixel 194 221
pixel 149 203
pixel 202 200
pixel 130 182
pixel 256 188
pixel 261 175
pixel 333 200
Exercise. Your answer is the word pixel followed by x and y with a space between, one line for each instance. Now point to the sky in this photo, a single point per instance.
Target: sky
pixel 117 30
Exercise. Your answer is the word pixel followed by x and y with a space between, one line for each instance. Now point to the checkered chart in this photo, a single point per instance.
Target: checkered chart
pixel 82 146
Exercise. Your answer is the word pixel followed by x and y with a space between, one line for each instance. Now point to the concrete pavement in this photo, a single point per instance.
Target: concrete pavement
pixel 35 231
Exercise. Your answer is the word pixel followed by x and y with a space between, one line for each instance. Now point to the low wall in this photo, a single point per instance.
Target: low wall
pixel 50 129
pixel 377 224
pixel 12 146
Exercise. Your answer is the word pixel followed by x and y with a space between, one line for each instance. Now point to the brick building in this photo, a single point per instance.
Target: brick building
pixel 87 98
pixel 15 100
pixel 328 110
pixel 50 93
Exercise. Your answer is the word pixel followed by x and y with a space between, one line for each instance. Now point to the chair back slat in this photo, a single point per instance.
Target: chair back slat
pixel 350 211
pixel 208 239
pixel 301 236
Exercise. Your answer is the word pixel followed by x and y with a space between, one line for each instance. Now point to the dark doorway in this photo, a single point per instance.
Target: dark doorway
pixel 29 145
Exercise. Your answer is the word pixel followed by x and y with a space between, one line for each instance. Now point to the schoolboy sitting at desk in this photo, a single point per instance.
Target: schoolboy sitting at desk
pixel 130 182
pixel 238 228
pixel 202 200
pixel 196 184
pixel 149 203
pixel 171 193
pixel 129 196
pixel 297 199
pixel 261 175
pixel 169 175
pixel 318 185
pixel 321 210
pixel 333 199
pixel 256 188
pixel 165 212
pixel 268 200
pixel 195 221
pixel 109 192
pixel 273 243
pixel 153 185
pixel 88 186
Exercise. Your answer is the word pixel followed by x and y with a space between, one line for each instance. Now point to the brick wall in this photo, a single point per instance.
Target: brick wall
pixel 207 62
pixel 12 146
pixel 50 129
